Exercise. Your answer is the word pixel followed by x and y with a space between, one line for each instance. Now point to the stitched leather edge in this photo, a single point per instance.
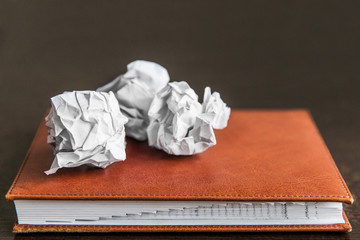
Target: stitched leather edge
pixel 89 228
pixel 343 227
pixel 10 194
pixel 330 158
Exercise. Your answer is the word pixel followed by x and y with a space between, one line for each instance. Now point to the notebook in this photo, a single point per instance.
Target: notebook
pixel 269 171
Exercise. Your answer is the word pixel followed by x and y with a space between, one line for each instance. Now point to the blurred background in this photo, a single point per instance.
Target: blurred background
pixel 257 54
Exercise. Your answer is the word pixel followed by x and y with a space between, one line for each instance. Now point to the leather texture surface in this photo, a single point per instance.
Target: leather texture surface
pixel 260 156
pixel 24 228
pixel 263 155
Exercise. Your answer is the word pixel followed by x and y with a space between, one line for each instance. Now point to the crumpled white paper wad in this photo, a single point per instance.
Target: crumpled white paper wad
pixel 215 110
pixel 85 127
pixel 180 125
pixel 135 91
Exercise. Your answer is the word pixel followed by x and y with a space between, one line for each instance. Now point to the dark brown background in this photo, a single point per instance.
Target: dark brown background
pixel 257 54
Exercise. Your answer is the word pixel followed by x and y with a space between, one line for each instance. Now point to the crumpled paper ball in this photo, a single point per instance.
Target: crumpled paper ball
pixel 135 91
pixel 216 110
pixel 178 123
pixel 85 127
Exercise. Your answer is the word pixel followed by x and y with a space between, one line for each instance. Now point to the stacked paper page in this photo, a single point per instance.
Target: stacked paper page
pixel 177 213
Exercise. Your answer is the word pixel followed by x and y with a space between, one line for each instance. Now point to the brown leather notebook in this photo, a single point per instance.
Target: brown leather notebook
pixel 263 156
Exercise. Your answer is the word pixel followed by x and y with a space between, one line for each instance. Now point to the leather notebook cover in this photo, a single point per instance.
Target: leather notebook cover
pixel 263 155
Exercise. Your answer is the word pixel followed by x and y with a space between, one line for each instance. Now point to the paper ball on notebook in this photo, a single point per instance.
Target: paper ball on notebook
pixel 215 110
pixel 177 124
pixel 85 127
pixel 135 90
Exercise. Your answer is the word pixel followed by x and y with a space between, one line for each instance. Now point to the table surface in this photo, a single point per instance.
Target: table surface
pixel 257 54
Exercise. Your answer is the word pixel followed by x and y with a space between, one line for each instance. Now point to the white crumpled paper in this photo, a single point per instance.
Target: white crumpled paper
pixel 180 125
pixel 85 127
pixel 216 110
pixel 135 91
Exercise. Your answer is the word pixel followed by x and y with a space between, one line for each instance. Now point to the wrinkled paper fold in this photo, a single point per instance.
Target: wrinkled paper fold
pixel 215 109
pixel 89 127
pixel 135 91
pixel 180 125
pixel 85 127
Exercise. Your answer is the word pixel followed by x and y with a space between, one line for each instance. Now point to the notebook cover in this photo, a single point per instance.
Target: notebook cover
pixel 263 155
